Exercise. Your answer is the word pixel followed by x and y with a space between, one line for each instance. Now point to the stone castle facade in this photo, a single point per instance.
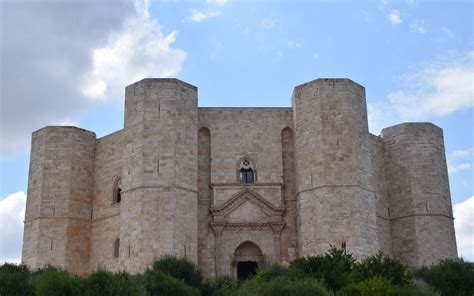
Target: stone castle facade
pixel 229 188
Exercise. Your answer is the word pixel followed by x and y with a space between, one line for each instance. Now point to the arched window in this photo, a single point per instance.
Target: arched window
pixel 247 174
pixel 117 193
pixel 116 248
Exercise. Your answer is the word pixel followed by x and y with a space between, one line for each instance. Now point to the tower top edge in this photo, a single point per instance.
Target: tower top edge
pixel 322 81
pixel 164 80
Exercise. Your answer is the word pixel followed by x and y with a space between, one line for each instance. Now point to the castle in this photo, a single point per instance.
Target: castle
pixel 230 188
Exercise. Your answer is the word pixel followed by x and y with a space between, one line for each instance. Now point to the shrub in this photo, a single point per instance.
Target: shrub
pixel 179 268
pixel 418 288
pixel 376 286
pixel 282 286
pixel 334 267
pixel 384 266
pixel 158 283
pixel 52 281
pixel 15 280
pixel 221 286
pixel 450 277
pixel 276 270
pixel 102 282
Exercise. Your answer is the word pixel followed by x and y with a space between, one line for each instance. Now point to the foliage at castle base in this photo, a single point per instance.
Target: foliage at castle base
pixel 335 273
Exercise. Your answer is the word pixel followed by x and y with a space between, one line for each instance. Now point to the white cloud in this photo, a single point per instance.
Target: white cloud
pixel 418 26
pixel 217 2
pixel 462 153
pixel 198 16
pixel 437 90
pixel 89 51
pixel 460 160
pixel 293 44
pixel 394 16
pixel 139 50
pixel 454 168
pixel 464 224
pixel 12 214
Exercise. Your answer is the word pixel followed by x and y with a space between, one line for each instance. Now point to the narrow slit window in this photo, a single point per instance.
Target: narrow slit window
pixel 117 193
pixel 116 248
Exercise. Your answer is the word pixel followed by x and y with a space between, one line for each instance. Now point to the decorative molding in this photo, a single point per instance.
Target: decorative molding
pixel 243 196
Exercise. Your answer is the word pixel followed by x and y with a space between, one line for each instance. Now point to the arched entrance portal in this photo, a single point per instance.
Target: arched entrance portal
pixel 247 256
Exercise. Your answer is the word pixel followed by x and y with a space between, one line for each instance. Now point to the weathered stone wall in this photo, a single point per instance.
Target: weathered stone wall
pixel 321 178
pixel 236 134
pixel 384 232
pixel 106 213
pixel 60 191
pixel 206 246
pixel 334 188
pixel 159 173
pixel 289 236
pixel 240 132
pixel 420 203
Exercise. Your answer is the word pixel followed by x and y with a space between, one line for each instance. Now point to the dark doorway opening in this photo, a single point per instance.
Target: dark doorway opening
pixel 246 269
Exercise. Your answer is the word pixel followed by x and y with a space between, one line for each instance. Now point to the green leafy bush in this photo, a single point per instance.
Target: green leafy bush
pixel 384 266
pixel 335 267
pixel 282 286
pixel 450 277
pixel 276 270
pixel 179 268
pixel 418 288
pixel 221 286
pixel 157 283
pixel 376 286
pixel 15 280
pixel 52 281
pixel 102 282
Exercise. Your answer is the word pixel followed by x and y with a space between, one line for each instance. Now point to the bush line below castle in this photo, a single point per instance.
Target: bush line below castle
pixel 335 273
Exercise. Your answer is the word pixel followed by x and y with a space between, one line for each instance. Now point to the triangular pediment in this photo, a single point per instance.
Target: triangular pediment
pixel 248 204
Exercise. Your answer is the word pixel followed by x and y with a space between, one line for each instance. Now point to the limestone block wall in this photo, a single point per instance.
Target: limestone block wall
pixel 234 134
pixel 321 179
pixel 420 202
pixel 159 172
pixel 60 192
pixel 105 213
pixel 239 132
pixel 384 232
pixel 335 195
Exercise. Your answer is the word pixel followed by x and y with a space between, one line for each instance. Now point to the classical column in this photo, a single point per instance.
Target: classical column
pixel 276 230
pixel 218 228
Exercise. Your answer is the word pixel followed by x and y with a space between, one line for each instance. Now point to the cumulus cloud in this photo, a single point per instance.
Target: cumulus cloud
pixel 12 214
pixel 139 50
pixel 198 16
pixel 464 225
pixel 439 89
pixel 394 17
pixel 58 55
pixel 460 160
pixel 436 90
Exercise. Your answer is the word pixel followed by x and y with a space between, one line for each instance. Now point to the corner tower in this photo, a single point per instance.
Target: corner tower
pixel 58 208
pixel 159 177
pixel 419 199
pixel 334 188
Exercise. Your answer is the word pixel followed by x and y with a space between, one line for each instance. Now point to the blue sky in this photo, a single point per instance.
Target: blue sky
pixel 415 59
